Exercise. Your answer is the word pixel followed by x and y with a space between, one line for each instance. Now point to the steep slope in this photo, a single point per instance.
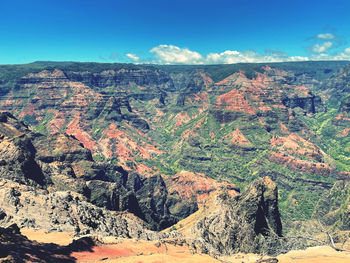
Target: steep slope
pixel 33 163
pixel 333 209
pixel 125 150
pixel 333 126
pixel 62 101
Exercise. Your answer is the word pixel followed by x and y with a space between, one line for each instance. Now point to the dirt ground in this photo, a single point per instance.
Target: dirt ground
pixel 138 251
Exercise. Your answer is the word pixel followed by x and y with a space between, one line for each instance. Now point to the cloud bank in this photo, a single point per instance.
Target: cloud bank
pixel 324 46
pixel 170 54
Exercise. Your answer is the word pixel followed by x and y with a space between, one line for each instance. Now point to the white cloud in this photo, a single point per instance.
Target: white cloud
pixel 133 57
pixel 344 55
pixel 326 46
pixel 321 48
pixel 298 58
pixel 226 57
pixel 169 54
pixel 326 36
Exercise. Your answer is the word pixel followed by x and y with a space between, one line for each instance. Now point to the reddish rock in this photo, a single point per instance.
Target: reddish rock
pixel 196 186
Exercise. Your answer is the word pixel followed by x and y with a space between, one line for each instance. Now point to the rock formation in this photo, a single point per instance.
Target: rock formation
pixel 228 223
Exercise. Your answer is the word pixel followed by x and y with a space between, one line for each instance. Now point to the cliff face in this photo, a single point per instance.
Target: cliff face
pixel 258 125
pixel 270 91
pixel 338 84
pixel 59 163
pixel 237 223
pixel 227 224
pixel 333 209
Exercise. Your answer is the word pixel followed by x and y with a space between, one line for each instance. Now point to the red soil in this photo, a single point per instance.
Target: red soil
pixel 190 185
pixel 238 138
pixel 235 101
pixel 344 133
pixel 300 165
pixel 74 129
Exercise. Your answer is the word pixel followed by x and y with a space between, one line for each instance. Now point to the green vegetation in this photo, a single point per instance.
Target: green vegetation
pixel 30 120
pixel 42 126
pixel 317 69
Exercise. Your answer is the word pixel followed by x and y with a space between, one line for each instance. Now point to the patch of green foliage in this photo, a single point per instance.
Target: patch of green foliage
pixel 30 120
pixel 42 126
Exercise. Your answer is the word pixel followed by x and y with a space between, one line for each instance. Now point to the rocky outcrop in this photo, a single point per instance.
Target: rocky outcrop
pixel 310 104
pixel 66 211
pixel 198 81
pixel 228 225
pixel 17 153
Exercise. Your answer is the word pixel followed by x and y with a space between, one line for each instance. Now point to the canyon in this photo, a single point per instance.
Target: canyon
pixel 212 158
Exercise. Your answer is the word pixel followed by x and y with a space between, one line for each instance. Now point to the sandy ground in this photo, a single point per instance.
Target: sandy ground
pixel 141 251
pixel 42 236
pixel 159 258
pixel 130 251
pixel 147 252
pixel 321 254
pixel 315 255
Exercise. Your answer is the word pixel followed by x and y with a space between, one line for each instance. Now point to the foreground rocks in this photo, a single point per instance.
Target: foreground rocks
pixel 66 211
pixel 229 224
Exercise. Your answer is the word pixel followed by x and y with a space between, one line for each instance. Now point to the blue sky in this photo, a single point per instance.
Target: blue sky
pixel 174 32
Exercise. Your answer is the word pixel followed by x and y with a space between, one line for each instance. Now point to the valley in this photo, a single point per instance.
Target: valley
pixel 215 158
